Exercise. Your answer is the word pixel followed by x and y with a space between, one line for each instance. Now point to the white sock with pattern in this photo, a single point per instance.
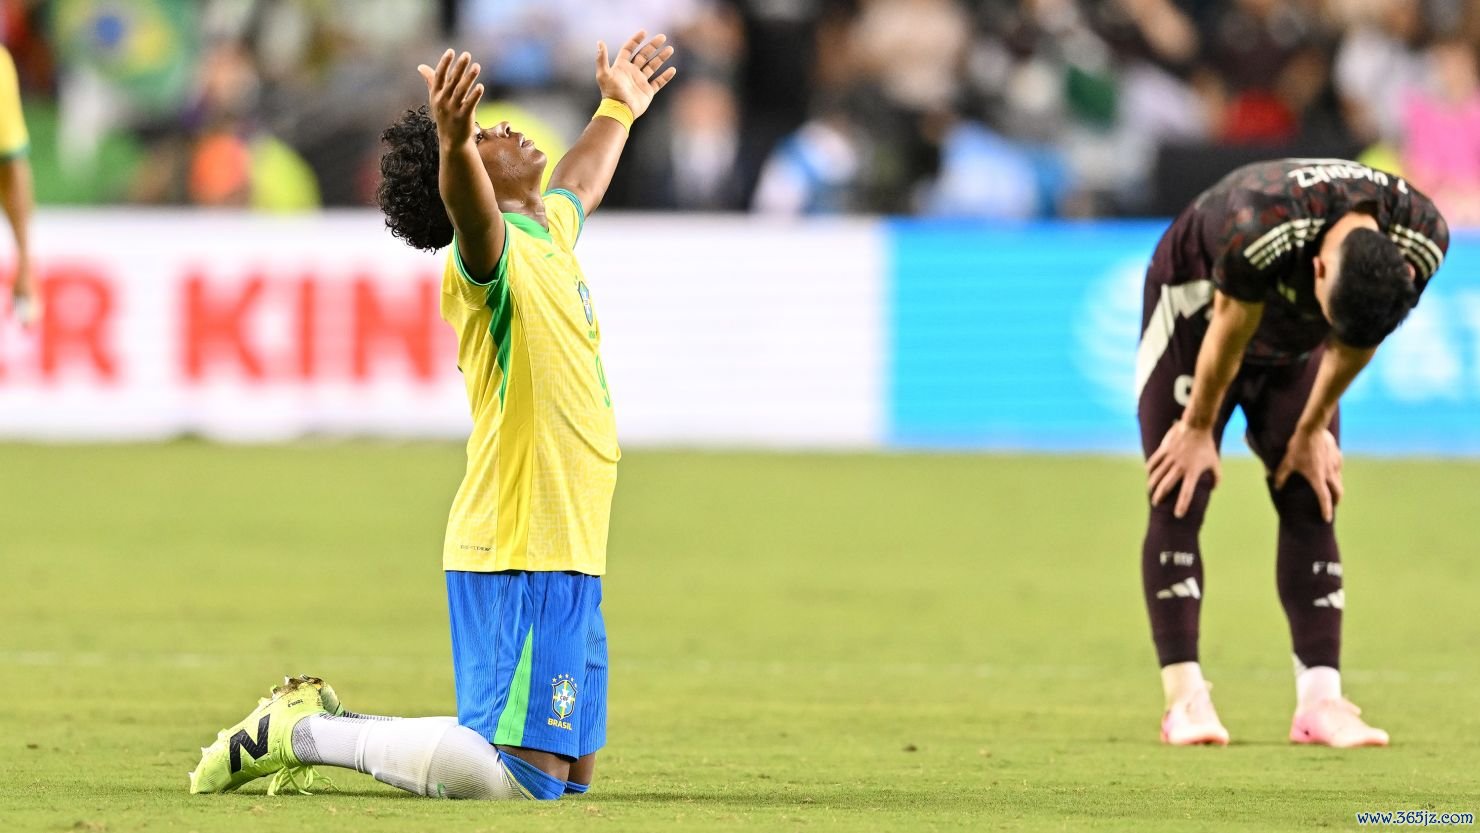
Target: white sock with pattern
pixel 431 756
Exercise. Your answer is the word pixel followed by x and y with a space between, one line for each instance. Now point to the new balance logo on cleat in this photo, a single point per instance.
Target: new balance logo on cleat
pixel 241 740
pixel 1184 589
pixel 1335 600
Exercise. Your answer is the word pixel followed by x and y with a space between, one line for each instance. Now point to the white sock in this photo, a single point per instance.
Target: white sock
pixel 1181 680
pixel 424 755
pixel 1312 685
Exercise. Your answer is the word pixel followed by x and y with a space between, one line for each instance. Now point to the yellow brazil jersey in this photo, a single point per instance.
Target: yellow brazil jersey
pixel 13 138
pixel 542 457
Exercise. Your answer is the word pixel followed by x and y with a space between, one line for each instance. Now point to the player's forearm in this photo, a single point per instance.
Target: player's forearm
pixel 586 170
pixel 1339 368
pixel 472 206
pixel 16 198
pixel 1218 360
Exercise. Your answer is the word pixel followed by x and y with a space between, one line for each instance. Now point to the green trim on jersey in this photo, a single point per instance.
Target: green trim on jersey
pixel 510 731
pixel 528 226
pixel 500 328
pixel 580 210
pixel 18 153
pixel 500 269
pixel 501 307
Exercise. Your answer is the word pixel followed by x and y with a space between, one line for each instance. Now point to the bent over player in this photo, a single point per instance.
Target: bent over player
pixel 526 541
pixel 1271 292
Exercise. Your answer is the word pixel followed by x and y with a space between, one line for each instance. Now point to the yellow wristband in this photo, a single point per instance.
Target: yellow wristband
pixel 616 110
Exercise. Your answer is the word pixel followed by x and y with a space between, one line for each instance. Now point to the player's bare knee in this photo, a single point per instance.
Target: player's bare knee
pixel 582 772
pixel 550 763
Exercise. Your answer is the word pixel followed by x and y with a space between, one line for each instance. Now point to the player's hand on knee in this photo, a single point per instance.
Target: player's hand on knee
pixel 1334 479
pixel 1184 456
pixel 1316 456
pixel 453 95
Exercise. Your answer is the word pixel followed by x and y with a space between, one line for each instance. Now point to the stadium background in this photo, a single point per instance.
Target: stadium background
pixel 1003 316
pixel 899 225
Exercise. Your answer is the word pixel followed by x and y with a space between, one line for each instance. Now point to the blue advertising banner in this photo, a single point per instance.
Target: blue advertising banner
pixel 1024 338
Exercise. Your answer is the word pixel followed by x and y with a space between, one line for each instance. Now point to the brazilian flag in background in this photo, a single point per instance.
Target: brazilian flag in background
pixel 145 47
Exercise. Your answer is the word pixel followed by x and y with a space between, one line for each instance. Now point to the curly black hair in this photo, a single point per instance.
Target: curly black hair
pixel 1374 291
pixel 408 193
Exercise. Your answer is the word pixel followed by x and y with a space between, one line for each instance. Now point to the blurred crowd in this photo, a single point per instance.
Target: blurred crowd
pixel 969 108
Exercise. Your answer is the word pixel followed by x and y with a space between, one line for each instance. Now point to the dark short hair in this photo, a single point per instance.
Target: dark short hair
pixel 408 193
pixel 1374 291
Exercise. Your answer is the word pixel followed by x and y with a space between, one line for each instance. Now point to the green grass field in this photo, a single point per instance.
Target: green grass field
pixel 799 643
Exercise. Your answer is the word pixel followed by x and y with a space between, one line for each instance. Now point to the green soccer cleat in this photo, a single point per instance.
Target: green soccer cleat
pixel 326 693
pixel 262 743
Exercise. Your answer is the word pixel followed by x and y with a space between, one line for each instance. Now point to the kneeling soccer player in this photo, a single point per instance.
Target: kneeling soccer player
pixel 526 540
pixel 1270 292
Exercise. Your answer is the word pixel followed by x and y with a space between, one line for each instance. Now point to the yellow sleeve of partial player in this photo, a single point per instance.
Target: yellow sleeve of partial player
pixel 565 216
pixel 14 141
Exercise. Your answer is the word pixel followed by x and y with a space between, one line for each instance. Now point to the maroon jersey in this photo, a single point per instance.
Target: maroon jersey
pixel 1256 233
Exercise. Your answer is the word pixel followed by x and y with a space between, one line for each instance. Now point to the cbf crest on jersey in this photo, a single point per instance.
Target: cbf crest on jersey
pixel 563 692
pixel 586 301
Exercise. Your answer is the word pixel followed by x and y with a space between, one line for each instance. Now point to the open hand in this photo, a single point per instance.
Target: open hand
pixel 1184 455
pixel 633 78
pixel 1316 457
pixel 453 96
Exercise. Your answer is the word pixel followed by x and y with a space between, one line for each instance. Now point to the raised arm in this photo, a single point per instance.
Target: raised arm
pixel 627 89
pixel 453 94
pixel 1189 450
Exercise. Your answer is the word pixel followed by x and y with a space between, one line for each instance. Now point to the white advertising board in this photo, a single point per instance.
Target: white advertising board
pixel 718 332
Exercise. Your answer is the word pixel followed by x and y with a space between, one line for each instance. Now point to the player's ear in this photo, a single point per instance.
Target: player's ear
pixel 1328 265
pixel 1324 272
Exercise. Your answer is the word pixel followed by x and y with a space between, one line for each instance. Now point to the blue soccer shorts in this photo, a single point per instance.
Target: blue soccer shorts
pixel 529 659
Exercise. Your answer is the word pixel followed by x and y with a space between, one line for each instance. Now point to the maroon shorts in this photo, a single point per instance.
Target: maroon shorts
pixel 1173 324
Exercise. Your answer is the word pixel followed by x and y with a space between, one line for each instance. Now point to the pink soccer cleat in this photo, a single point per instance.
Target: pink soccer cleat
pixel 1336 723
pixel 1192 721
